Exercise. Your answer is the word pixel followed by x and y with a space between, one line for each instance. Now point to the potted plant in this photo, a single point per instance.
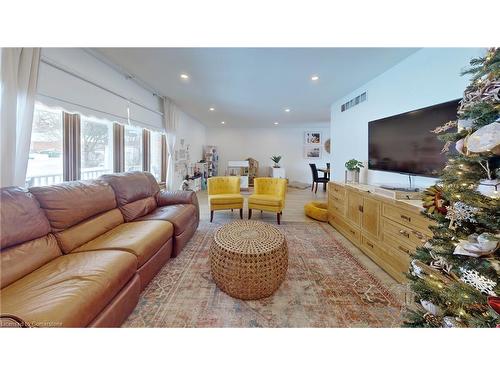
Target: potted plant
pixel 276 159
pixel 353 167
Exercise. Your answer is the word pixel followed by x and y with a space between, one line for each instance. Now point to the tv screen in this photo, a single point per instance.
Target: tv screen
pixel 404 143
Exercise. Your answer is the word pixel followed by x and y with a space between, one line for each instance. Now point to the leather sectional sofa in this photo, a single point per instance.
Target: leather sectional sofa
pixel 79 253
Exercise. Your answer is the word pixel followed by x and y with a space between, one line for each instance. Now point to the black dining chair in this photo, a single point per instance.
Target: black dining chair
pixel 327 174
pixel 316 179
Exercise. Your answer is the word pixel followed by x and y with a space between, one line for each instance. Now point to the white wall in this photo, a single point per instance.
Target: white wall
pixel 429 76
pixel 194 133
pixel 262 143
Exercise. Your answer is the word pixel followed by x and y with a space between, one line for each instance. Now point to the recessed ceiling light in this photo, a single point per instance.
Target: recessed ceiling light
pixel 276 123
pixel 211 109
pixel 314 77
pixel 287 109
pixel 222 122
pixel 184 76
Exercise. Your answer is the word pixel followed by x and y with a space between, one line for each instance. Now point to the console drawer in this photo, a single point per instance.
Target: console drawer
pixel 403 233
pixel 396 243
pixel 347 230
pixel 407 218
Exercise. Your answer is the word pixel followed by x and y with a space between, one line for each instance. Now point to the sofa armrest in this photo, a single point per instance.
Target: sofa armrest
pixel 168 198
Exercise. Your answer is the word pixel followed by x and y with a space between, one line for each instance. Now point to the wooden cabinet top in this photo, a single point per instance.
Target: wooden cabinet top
pixel 414 205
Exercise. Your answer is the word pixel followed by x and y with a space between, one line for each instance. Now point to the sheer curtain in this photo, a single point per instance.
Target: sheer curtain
pixel 18 83
pixel 170 122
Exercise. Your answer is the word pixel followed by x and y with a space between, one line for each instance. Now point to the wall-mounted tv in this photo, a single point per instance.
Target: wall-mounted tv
pixel 404 143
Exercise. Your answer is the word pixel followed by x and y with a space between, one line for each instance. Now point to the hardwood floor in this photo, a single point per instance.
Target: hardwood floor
pixel 294 212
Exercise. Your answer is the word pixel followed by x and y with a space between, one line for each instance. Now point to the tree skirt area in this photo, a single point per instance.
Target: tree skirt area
pixel 325 286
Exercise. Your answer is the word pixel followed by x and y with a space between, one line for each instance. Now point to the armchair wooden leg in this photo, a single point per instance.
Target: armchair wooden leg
pixel 249 213
pixel 278 217
pixel 241 213
pixel 211 216
pixel 231 210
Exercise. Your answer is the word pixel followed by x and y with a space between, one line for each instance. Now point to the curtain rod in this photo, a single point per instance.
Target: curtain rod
pixel 65 70
pixel 149 126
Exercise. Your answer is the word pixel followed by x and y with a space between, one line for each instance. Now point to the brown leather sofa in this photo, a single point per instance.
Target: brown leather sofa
pixel 79 253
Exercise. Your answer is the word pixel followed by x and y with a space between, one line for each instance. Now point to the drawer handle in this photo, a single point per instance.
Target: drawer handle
pixel 360 208
pixel 407 218
pixel 404 249
pixel 404 233
pixel 353 232
pixel 417 234
pixel 369 244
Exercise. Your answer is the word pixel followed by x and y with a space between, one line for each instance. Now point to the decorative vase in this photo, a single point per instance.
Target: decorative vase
pixel 352 176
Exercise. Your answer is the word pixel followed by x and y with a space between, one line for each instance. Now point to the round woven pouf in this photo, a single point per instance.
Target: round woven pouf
pixel 248 259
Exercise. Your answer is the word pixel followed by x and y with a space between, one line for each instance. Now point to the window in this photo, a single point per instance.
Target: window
pixel 45 163
pixel 96 148
pixel 133 149
pixel 156 154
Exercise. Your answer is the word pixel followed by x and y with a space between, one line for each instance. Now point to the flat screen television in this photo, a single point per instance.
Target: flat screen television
pixel 404 143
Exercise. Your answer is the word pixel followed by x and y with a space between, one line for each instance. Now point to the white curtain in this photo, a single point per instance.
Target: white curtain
pixel 18 83
pixel 170 122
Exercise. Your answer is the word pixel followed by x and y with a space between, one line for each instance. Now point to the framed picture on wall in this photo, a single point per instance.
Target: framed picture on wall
pixel 312 152
pixel 312 138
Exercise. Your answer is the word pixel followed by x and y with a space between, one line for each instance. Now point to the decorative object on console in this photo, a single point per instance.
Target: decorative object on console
pixel 353 167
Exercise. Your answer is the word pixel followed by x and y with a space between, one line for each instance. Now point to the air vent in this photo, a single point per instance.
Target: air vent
pixel 355 101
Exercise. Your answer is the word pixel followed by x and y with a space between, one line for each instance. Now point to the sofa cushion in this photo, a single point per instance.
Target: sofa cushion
pixel 135 192
pixel 19 260
pixel 85 231
pixel 265 200
pixel 225 199
pixel 141 238
pixel 69 291
pixel 132 211
pixel 181 216
pixel 70 203
pixel 132 186
pixel 21 218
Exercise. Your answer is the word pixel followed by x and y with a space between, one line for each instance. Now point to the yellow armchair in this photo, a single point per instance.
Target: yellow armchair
pixel 269 195
pixel 224 194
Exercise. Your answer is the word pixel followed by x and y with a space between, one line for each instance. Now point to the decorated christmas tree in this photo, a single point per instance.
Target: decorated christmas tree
pixel 455 276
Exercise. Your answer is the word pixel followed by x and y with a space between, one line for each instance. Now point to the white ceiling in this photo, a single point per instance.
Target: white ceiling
pixel 251 87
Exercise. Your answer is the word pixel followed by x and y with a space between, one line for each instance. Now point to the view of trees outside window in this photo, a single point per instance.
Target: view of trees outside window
pixel 96 148
pixel 155 149
pixel 133 149
pixel 45 163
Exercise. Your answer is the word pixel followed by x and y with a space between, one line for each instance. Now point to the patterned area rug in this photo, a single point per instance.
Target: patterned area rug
pixel 325 287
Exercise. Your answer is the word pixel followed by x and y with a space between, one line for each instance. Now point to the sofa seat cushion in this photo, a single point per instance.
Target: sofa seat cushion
pixel 141 238
pixel 225 199
pixel 69 291
pixel 265 200
pixel 182 216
